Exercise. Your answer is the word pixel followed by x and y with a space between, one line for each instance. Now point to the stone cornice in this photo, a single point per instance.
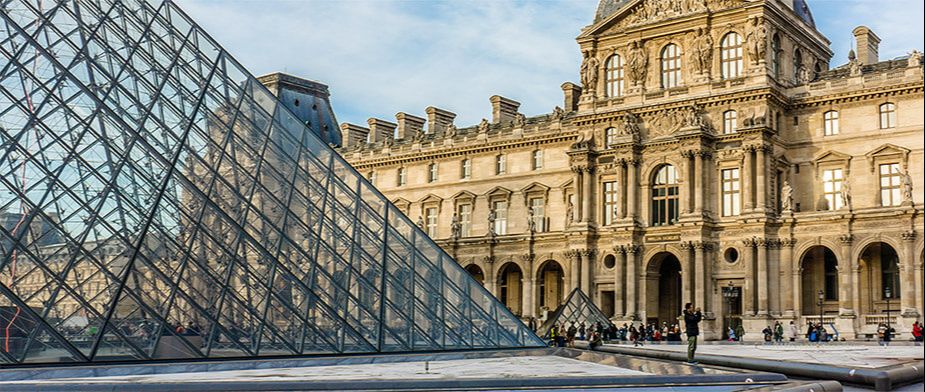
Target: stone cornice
pixel 858 95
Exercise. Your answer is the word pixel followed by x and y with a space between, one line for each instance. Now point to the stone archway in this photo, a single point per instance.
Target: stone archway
pixel 510 292
pixel 819 271
pixel 550 286
pixel 476 272
pixel 663 288
pixel 880 278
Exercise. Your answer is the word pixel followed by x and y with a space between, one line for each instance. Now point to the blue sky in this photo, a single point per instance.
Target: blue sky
pixel 380 57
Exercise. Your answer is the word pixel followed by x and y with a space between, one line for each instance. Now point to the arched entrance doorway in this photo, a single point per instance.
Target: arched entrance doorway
pixel 819 268
pixel 509 289
pixel 550 286
pixel 880 283
pixel 476 272
pixel 663 288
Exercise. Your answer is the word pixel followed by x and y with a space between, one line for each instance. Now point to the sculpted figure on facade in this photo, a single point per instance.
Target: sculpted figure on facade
pixel 420 222
pixel 589 70
pixel 519 120
pixel 786 197
pixel 854 66
pixel 569 213
pixel 702 55
pixel 492 216
pixel 906 183
pixel 638 61
pixel 629 124
pixel 558 113
pixel 531 220
pixel 756 40
pixel 419 136
pixel 450 132
pixel 915 59
pixel 483 126
pixel 455 226
pixel 846 193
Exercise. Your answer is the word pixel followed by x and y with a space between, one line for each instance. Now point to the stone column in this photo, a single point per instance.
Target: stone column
pixel 747 179
pixel 700 277
pixel 621 190
pixel 748 288
pixel 491 277
pixel 618 283
pixel 846 278
pixel 632 188
pixel 688 186
pixel 797 278
pixel 574 258
pixel 587 256
pixel 761 180
pixel 787 283
pixel 686 272
pixel 579 194
pixel 909 278
pixel 632 297
pixel 762 276
pixel 529 280
pixel 698 182
pixel 588 181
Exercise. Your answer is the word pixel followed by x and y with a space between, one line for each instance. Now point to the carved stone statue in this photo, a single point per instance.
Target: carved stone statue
pixel 702 55
pixel 786 197
pixel 854 66
pixel 637 63
pixel 846 193
pixel 589 69
pixel 519 120
pixel 629 125
pixel 558 113
pixel 420 222
pixel 569 213
pixel 491 222
pixel 531 220
pixel 419 136
pixel 915 59
pixel 756 40
pixel 455 226
pixel 483 126
pixel 906 182
pixel 450 131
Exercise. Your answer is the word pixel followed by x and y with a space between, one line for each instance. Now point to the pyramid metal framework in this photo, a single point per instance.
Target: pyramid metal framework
pixel 577 308
pixel 156 201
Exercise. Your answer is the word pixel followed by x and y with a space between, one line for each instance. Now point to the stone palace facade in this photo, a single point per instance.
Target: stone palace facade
pixel 711 154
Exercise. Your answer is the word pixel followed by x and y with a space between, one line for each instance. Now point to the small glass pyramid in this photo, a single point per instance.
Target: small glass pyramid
pixel 156 201
pixel 577 309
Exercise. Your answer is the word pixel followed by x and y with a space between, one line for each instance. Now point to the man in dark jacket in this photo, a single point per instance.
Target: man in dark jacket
pixel 692 319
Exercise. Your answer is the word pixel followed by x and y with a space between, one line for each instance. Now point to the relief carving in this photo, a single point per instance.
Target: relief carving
pixel 702 55
pixel 589 70
pixel 756 40
pixel 637 63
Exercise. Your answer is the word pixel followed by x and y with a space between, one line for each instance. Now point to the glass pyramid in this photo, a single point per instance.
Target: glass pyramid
pixel 577 308
pixel 156 201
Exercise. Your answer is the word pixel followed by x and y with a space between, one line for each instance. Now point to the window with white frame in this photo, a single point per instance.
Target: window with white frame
pixel 887 115
pixel 430 221
pixel 465 219
pixel 537 159
pixel 731 55
pixel 501 164
pixel 671 66
pixel 832 180
pixel 614 76
pixel 401 177
pixel 432 172
pixel 610 136
pixel 465 169
pixel 610 202
pixel 538 206
pixel 890 185
pixel 500 209
pixel 665 197
pixel 732 193
pixel 830 123
pixel 730 121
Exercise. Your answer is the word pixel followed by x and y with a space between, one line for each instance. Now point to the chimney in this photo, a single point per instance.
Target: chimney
pixel 868 45
pixel 379 130
pixel 571 93
pixel 503 109
pixel 352 134
pixel 408 125
pixel 438 119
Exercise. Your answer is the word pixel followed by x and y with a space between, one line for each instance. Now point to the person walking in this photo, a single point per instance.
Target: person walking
pixel 888 335
pixel 692 319
pixel 794 332
pixel 917 333
pixel 778 333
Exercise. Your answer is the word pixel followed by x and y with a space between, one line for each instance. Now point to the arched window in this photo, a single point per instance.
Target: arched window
pixel 730 122
pixel 731 55
pixel 797 64
pixel 665 196
pixel 889 273
pixel 830 123
pixel 614 76
pixel 775 56
pixel 887 115
pixel 671 66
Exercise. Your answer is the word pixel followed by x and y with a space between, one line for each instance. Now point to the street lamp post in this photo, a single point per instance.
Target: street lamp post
pixel 729 294
pixel 821 301
pixel 888 293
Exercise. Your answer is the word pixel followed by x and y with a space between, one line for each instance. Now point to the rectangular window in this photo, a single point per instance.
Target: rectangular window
pixel 730 121
pixel 890 185
pixel 831 123
pixel 832 180
pixel 538 206
pixel 887 116
pixel 432 172
pixel 372 178
pixel 431 221
pixel 402 177
pixel 610 136
pixel 731 192
pixel 465 219
pixel 465 169
pixel 500 209
pixel 500 164
pixel 537 159
pixel 610 202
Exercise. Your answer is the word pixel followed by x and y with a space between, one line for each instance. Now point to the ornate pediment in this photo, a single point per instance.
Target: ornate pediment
pixel 831 157
pixel 499 191
pixel 668 122
pixel 887 152
pixel 625 14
